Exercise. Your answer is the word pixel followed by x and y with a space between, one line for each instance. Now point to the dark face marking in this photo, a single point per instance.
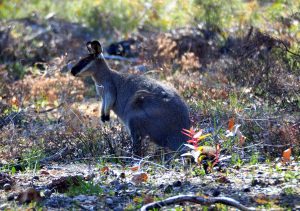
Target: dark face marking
pixel 79 66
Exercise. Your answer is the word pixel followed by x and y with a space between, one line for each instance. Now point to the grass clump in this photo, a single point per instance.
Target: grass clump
pixel 84 187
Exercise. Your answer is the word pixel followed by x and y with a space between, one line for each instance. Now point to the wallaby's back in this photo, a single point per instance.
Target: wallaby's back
pixel 150 108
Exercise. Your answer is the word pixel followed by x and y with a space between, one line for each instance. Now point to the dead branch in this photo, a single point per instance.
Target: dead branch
pixel 60 154
pixel 197 200
pixel 120 58
pixel 50 109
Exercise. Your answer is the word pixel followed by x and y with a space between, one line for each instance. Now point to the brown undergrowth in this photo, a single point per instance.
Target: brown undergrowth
pixel 247 78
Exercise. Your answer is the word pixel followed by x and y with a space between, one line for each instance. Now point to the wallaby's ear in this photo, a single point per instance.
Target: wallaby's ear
pixel 94 47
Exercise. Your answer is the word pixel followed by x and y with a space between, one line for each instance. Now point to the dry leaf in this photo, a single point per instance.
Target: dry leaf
pixel 148 199
pixel 139 178
pixel 236 132
pixel 122 175
pixel 241 137
pixel 14 101
pixel 286 155
pixel 204 137
pixel 230 124
pixel 134 168
pixel 29 195
pixel 198 134
pixel 104 169
pixel 44 172
pixel 54 172
pixel 223 179
pixel 261 198
pixel 209 151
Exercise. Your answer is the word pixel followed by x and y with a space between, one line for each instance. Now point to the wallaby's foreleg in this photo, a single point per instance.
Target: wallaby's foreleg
pixel 108 101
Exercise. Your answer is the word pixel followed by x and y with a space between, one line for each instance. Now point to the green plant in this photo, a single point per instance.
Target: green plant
pixel 236 160
pixel 254 158
pixel 197 171
pixel 31 159
pixel 289 191
pixel 84 187
pixel 289 175
pixel 17 70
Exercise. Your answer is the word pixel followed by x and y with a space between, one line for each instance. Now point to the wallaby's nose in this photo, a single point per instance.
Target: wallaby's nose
pixel 73 72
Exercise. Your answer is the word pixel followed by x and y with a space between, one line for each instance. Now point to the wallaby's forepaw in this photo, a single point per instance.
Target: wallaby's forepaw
pixel 105 118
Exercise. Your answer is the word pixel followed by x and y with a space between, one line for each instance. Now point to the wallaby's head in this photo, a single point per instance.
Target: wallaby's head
pixel 86 66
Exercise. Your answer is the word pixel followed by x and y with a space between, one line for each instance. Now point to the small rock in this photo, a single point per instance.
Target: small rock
pixel 121 186
pixel 28 195
pixel 278 181
pixel 247 189
pixel 168 189
pixel 254 182
pixel 118 208
pixel 11 197
pixel 4 207
pixel 216 193
pixel 161 186
pixel 260 172
pixel 36 178
pixel 177 184
pixel 122 175
pixel 18 167
pixel 47 193
pixel 115 183
pixel 59 202
pixel 7 186
pixel 89 177
pixel 109 201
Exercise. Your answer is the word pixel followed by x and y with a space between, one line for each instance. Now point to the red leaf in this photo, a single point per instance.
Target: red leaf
pixel 286 155
pixel 230 124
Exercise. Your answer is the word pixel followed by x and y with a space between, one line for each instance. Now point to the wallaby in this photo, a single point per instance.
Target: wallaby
pixel 146 107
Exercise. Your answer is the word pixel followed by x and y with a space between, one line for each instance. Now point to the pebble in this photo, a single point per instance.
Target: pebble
pixel 177 184
pixel 36 178
pixel 168 189
pixel 216 193
pixel 7 186
pixel 118 208
pixel 4 207
pixel 11 197
pixel 247 189
pixel 109 201
pixel 47 193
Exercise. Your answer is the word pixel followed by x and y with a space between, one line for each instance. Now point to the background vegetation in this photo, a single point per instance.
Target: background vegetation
pixel 235 62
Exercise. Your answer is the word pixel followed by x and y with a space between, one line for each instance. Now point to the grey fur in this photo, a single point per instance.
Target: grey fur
pixel 146 106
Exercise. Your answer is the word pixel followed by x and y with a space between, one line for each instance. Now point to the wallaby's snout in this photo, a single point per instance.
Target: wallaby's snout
pixel 146 106
pixel 82 65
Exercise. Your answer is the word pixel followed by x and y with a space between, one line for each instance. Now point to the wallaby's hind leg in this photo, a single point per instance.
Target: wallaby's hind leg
pixel 136 138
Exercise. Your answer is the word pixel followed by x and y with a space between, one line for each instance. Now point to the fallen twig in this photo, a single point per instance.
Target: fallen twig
pixel 121 58
pixel 60 154
pixel 50 109
pixel 197 200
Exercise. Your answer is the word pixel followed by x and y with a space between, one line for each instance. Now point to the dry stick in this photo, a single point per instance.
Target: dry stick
pixel 197 200
pixel 50 109
pixel 61 153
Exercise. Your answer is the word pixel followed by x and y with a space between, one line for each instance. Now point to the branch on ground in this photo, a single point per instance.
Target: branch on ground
pixel 197 200
pixel 57 156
